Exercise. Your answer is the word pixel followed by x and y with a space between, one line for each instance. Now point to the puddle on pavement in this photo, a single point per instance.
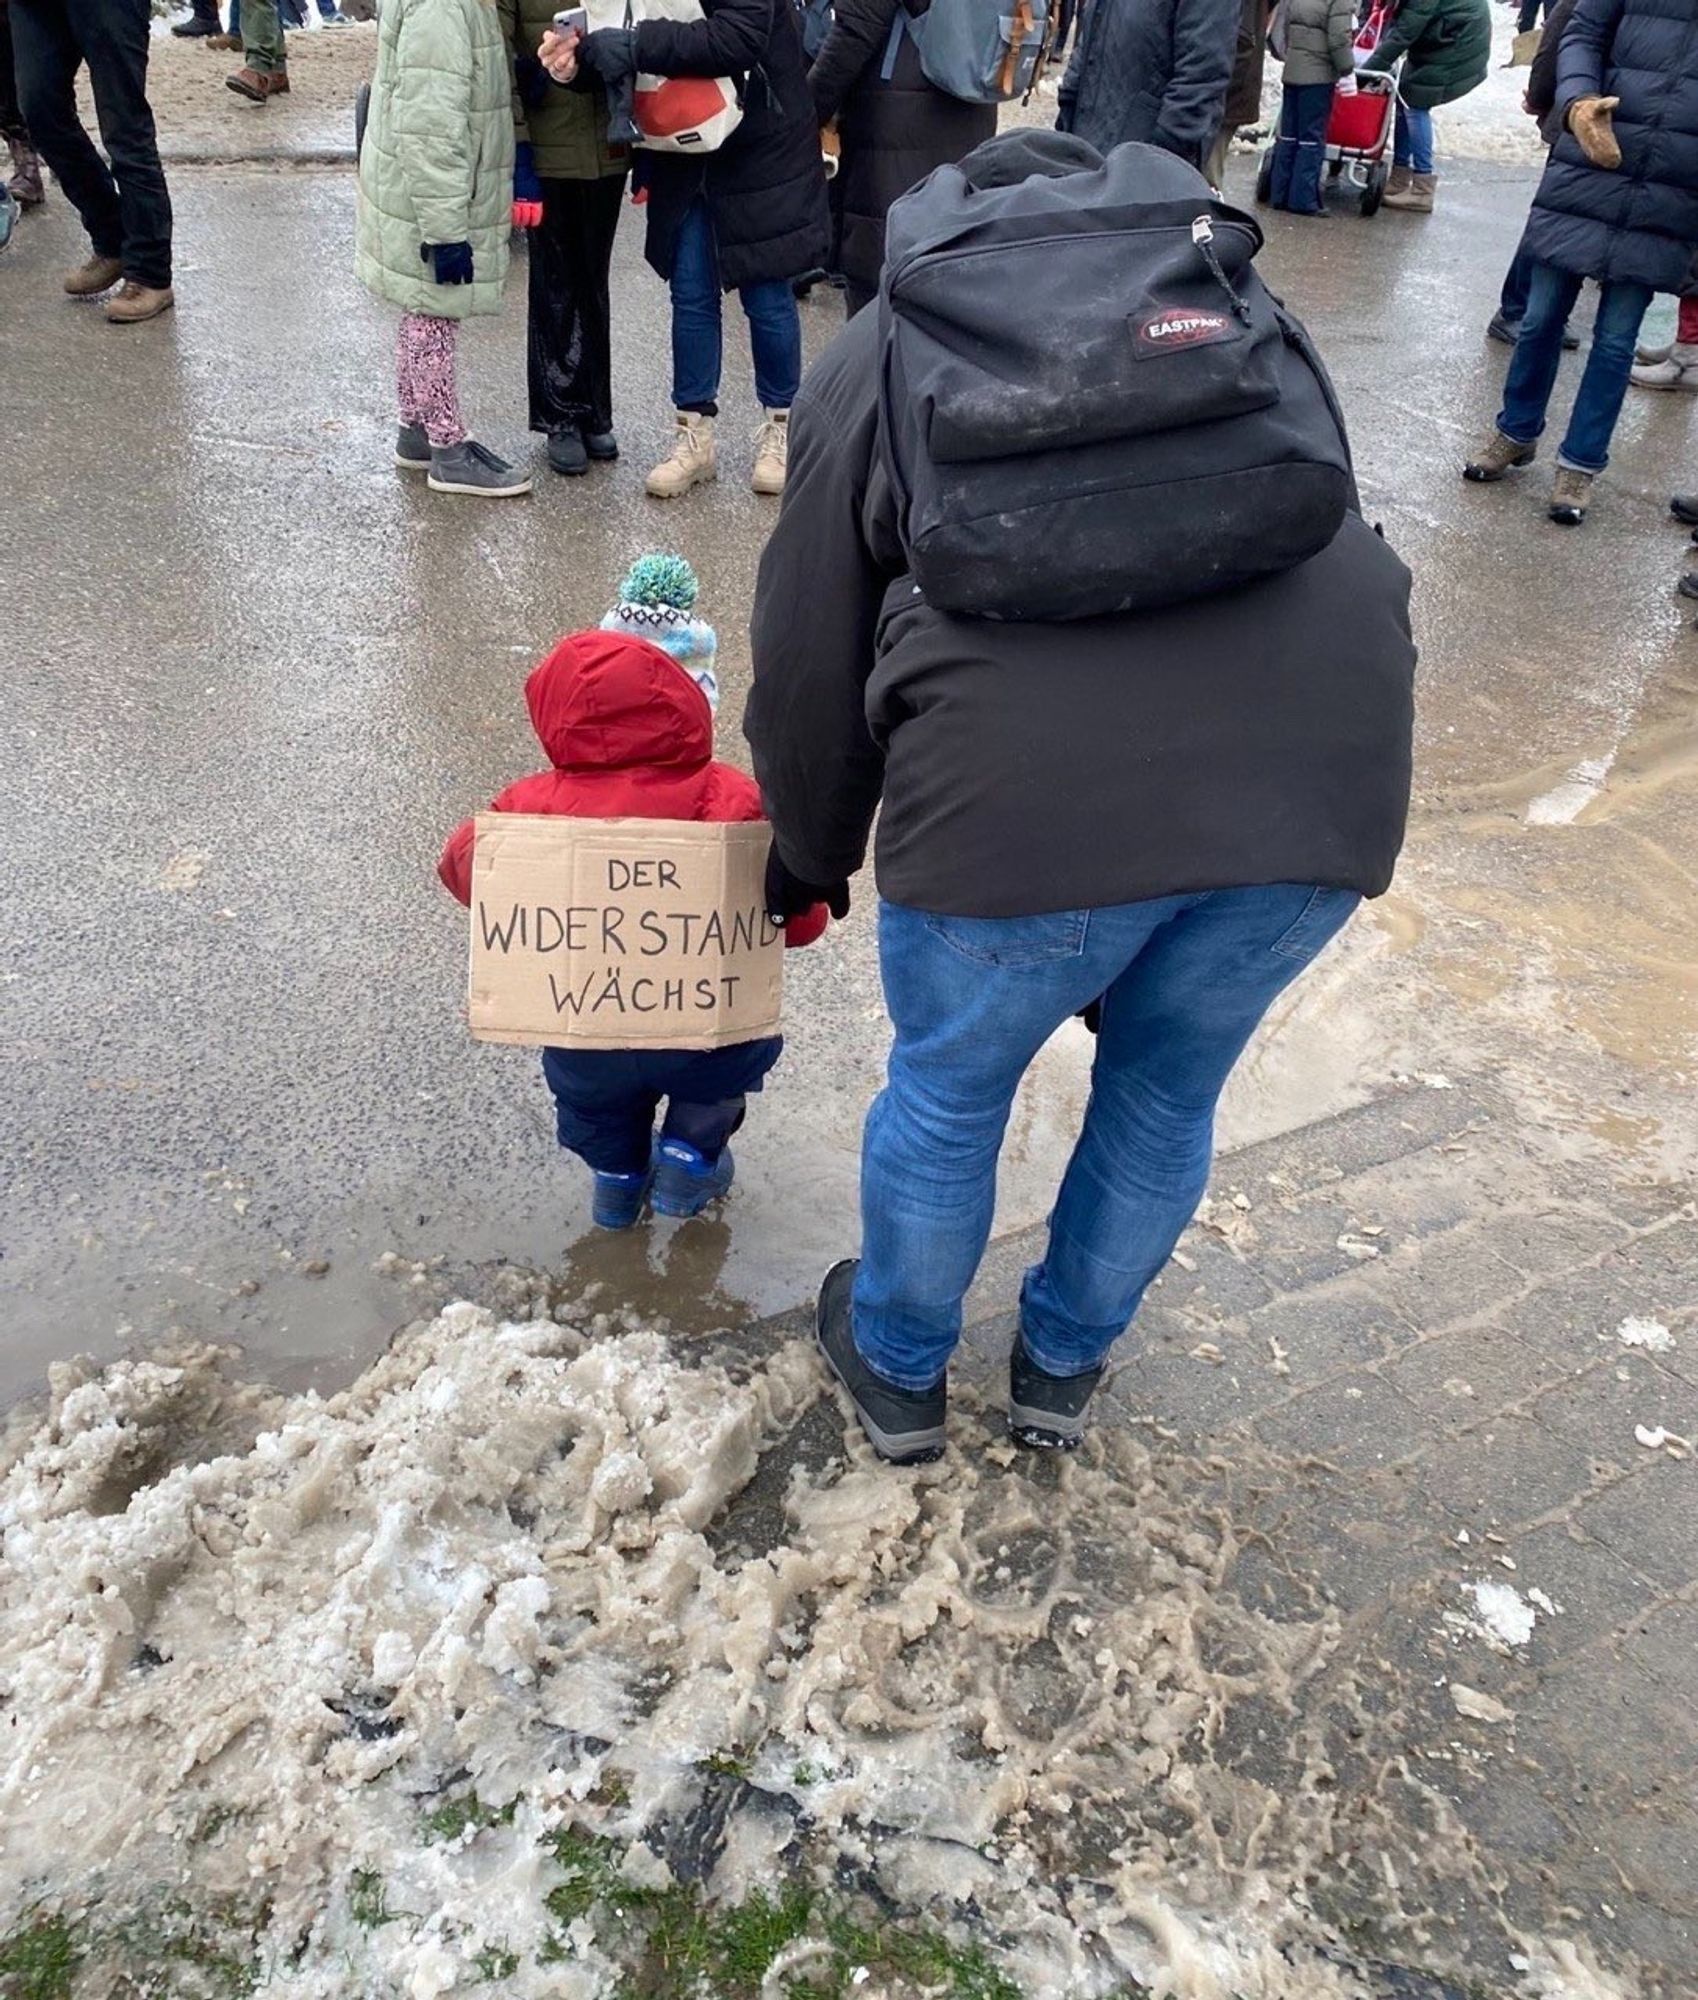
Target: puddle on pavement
pixel 545 1641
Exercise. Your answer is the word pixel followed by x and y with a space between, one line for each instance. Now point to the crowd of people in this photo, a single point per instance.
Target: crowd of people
pixel 984 579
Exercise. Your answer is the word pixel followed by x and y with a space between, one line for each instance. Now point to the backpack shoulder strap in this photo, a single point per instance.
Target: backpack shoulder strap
pixel 893 46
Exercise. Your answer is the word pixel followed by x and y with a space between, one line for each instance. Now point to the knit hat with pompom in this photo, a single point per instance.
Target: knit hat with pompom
pixel 657 601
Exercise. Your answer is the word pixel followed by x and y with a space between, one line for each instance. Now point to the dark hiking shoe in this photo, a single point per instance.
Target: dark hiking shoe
pixel 1570 492
pixel 195 26
pixel 412 448
pixel 1684 508
pixel 620 1200
pixel 602 446
pixel 471 468
pixel 1046 1412
pixel 904 1426
pixel 25 185
pixel 1688 584
pixel 1498 456
pixel 1505 331
pixel 566 454
pixel 685 1181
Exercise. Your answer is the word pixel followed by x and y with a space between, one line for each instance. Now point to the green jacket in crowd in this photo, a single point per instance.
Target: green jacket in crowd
pixel 1320 40
pixel 1449 46
pixel 437 162
pixel 568 128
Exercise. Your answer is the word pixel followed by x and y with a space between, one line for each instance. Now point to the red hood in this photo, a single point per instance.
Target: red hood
pixel 604 702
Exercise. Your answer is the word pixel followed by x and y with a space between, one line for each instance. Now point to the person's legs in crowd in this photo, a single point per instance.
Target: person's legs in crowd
pixel 1585 450
pixel 433 437
pixel 706 1093
pixel 1505 323
pixel 570 348
pixel 264 73
pixel 24 185
pixel 1532 12
pixel 604 1113
pixel 697 351
pixel 775 340
pixel 1677 366
pixel 113 35
pixel 1413 182
pixel 1300 151
pixel 972 1001
pixel 1531 377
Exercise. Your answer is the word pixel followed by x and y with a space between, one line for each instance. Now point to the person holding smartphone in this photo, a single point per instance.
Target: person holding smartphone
pixel 565 163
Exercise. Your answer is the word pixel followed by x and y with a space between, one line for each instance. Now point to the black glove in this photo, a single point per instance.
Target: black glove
pixel 789 896
pixel 611 54
pixel 452 262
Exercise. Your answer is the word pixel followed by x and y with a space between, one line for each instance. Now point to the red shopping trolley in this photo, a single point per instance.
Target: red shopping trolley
pixel 1360 125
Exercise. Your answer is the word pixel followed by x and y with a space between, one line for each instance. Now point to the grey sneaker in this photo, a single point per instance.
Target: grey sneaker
pixel 473 468
pixel 1499 455
pixel 1046 1412
pixel 412 448
pixel 905 1426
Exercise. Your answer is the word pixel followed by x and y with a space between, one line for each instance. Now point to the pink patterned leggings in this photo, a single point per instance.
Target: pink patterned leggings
pixel 425 386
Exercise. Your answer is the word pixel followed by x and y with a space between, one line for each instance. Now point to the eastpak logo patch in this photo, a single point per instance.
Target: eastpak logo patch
pixel 1169 329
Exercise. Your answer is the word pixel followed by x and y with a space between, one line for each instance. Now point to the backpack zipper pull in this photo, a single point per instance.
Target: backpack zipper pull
pixel 1203 235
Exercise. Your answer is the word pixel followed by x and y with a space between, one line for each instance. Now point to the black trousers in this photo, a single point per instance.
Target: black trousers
pixel 571 344
pixel 12 126
pixel 124 207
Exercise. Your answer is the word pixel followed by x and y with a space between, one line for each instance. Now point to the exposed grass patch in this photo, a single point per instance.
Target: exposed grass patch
pixel 367 1902
pixel 38 1960
pixel 455 1817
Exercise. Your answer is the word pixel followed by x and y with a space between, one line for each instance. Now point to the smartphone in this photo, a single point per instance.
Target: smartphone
pixel 572 21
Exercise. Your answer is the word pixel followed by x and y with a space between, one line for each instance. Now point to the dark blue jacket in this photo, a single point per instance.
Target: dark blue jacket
pixel 1640 221
pixel 1155 70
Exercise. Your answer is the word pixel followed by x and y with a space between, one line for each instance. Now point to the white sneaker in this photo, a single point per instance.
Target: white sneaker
pixel 772 453
pixel 1678 371
pixel 692 461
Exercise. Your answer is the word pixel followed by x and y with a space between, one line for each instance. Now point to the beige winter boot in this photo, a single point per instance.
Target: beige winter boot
pixel 772 453
pixel 1397 182
pixel 1416 198
pixel 692 461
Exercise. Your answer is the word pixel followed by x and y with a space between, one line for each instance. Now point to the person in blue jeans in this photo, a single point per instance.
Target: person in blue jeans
pixel 1161 816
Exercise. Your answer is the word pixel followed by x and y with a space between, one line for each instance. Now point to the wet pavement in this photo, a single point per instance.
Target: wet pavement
pixel 255 675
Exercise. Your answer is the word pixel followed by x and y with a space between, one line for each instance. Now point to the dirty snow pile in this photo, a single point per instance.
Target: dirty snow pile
pixel 361 1703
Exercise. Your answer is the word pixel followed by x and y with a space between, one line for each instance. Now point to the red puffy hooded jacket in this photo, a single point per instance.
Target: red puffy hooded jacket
pixel 629 736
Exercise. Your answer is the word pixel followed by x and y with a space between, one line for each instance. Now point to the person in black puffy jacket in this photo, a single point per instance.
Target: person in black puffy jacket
pixel 747 217
pixel 1619 203
pixel 895 127
pixel 1155 70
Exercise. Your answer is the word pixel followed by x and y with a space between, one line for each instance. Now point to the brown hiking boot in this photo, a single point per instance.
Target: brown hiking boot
pixel 25 184
pixel 132 303
pixel 97 274
pixel 229 42
pixel 1570 492
pixel 1499 455
pixel 256 85
pixel 1415 198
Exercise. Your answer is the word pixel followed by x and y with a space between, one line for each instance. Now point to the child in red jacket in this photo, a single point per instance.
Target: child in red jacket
pixel 629 735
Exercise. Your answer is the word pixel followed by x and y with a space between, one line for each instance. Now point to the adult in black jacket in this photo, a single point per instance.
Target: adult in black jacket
pixel 1152 70
pixel 1538 101
pixel 747 217
pixel 1619 203
pixel 895 127
pixel 1172 809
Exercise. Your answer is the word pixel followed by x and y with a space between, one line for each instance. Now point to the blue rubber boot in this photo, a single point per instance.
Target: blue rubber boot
pixel 685 1182
pixel 620 1199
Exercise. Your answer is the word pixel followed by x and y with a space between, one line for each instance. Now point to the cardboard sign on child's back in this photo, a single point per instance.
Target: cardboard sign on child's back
pixel 621 933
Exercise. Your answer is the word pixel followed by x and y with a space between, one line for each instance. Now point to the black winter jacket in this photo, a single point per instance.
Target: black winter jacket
pixel 765 186
pixel 894 133
pixel 1155 70
pixel 1639 222
pixel 1260 735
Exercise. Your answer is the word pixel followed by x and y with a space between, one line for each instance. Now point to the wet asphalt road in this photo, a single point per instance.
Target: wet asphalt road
pixel 254 674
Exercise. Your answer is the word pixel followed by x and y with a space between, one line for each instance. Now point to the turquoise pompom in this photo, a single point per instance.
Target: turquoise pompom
pixel 660 579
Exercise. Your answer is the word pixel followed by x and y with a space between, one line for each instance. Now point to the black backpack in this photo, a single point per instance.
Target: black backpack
pixel 1089 402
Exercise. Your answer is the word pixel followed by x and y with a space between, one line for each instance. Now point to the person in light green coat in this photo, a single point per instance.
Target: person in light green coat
pixel 435 202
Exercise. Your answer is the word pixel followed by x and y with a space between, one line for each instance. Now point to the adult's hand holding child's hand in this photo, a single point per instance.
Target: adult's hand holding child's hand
pixel 789 896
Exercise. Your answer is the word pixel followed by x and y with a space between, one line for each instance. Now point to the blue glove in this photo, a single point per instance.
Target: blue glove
pixel 527 189
pixel 452 262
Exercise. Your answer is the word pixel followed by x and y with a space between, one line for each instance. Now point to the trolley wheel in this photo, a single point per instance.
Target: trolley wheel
pixel 1264 176
pixel 1375 188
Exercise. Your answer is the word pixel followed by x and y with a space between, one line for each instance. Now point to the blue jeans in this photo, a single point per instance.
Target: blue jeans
pixel 606 1099
pixel 775 325
pixel 1184 981
pixel 1300 151
pixel 1538 354
pixel 1413 141
pixel 1512 300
